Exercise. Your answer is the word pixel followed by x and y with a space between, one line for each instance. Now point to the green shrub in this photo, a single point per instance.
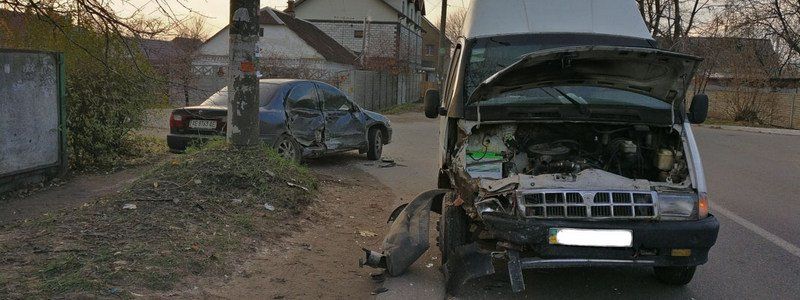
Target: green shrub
pixel 109 86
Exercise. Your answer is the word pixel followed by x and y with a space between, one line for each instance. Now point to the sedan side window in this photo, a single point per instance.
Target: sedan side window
pixel 303 96
pixel 334 99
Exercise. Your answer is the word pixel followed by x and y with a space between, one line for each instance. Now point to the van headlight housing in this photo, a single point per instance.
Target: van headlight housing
pixel 681 207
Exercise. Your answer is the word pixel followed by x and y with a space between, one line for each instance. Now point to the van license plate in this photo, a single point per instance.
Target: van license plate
pixel 202 124
pixel 622 238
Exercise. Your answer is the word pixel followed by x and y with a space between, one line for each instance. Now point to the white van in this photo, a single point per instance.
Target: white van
pixel 565 142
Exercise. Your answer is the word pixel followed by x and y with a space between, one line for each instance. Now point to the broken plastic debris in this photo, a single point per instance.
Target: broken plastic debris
pixel 297 186
pixel 129 206
pixel 198 181
pixel 429 265
pixel 236 201
pixel 269 207
pixel 366 233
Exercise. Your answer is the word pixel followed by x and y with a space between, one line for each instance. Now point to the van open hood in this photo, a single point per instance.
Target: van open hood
pixel 660 74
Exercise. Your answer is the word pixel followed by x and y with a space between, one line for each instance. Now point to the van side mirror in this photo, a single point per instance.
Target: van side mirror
pixel 698 111
pixel 432 102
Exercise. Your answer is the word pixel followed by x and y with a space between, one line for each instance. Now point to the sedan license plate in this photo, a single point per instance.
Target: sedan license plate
pixel 622 238
pixel 202 124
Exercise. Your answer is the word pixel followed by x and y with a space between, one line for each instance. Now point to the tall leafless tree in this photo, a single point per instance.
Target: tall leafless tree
pixel 672 20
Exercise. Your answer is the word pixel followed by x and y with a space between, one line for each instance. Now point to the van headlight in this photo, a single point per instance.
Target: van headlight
pixel 490 205
pixel 680 207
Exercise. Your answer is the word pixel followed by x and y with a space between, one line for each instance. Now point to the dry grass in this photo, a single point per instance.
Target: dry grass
pixel 194 216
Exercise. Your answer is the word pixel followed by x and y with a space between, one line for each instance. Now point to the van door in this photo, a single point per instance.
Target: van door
pixel 304 115
pixel 344 124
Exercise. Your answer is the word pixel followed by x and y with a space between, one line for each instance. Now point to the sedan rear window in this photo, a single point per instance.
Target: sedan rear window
pixel 220 98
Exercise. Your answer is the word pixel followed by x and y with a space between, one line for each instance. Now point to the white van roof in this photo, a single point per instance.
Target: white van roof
pixel 503 17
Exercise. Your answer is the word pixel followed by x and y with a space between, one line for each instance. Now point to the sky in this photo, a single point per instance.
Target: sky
pixel 217 10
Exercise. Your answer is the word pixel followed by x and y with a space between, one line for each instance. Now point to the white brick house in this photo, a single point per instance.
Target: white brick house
pixel 381 31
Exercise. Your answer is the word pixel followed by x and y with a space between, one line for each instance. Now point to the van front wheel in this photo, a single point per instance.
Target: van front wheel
pixel 674 275
pixel 453 227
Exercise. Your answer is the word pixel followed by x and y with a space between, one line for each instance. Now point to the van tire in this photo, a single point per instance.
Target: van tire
pixel 675 275
pixel 374 144
pixel 453 227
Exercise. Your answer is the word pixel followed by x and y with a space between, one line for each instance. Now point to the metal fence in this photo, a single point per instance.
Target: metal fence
pixel 379 90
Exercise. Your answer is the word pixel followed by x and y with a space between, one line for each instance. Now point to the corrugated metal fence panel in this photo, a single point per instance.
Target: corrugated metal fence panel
pixel 375 90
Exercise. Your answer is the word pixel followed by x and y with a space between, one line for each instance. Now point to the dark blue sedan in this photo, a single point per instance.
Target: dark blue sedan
pixel 299 118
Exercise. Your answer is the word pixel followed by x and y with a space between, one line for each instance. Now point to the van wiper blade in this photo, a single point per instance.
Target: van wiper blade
pixel 582 108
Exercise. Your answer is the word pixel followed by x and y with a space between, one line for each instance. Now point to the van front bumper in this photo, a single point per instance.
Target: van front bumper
pixel 653 241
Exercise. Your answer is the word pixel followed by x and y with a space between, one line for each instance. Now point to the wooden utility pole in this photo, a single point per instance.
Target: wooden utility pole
pixel 443 48
pixel 243 82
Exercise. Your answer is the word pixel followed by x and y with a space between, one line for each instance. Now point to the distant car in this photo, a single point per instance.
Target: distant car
pixel 299 118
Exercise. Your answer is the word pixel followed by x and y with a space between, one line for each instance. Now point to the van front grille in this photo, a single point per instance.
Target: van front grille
pixel 555 204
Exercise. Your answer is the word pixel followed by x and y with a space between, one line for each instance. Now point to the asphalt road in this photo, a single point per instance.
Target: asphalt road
pixel 754 183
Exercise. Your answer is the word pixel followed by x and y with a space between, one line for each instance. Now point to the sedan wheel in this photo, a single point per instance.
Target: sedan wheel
pixel 375 147
pixel 288 149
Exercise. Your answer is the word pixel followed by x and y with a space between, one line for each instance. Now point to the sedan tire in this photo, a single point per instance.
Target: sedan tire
pixel 375 144
pixel 289 149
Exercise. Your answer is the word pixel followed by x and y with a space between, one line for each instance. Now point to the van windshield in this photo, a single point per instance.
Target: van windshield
pixel 487 56
pixel 575 95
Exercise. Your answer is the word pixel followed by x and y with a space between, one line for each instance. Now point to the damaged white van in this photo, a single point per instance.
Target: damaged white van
pixel 565 142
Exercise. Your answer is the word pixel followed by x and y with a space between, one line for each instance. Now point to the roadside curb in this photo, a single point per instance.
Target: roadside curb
pixel 779 131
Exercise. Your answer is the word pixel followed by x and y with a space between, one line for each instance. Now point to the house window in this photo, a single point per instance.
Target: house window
pixel 430 50
pixel 358 34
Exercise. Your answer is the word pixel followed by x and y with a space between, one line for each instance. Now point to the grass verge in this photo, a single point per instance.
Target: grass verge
pixel 193 215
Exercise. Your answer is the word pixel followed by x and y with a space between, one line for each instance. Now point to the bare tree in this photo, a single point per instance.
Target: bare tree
pixel 672 20
pixel 97 15
pixel 189 36
pixel 778 20
pixel 455 22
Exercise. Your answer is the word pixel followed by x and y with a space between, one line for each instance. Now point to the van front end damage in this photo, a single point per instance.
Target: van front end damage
pixel 407 239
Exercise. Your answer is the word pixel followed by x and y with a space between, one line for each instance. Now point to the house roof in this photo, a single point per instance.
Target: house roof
pixel 749 53
pixel 325 45
pixel 313 36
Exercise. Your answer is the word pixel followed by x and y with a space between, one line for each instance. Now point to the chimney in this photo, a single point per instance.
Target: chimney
pixel 290 8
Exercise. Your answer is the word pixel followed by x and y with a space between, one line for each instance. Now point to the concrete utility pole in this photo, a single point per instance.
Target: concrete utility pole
pixel 243 82
pixel 443 48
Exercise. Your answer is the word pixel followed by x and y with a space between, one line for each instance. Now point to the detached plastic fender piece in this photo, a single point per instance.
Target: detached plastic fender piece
pixel 407 239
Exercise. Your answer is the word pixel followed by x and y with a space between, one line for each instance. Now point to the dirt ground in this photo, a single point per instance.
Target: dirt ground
pixel 318 261
pixel 75 192
pixel 321 261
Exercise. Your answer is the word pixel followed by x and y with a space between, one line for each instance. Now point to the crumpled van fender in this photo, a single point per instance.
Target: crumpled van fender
pixel 407 239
